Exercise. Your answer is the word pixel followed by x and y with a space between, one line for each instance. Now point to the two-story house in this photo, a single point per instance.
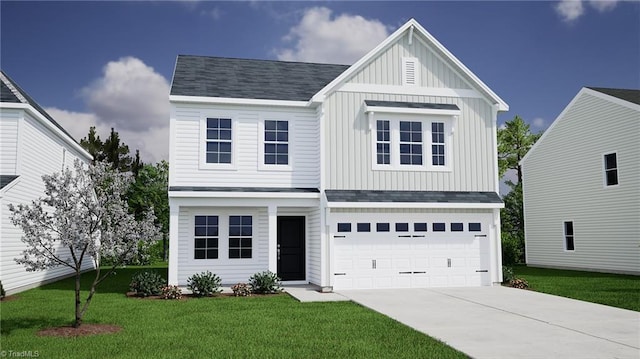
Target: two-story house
pixel 32 144
pixel 382 174
pixel 581 185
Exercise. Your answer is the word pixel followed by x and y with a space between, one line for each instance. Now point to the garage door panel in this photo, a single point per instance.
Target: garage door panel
pixel 411 259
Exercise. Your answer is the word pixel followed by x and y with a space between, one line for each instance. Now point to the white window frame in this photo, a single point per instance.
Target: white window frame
pixel 394 128
pixel 204 165
pixel 564 235
pixel 604 169
pixel 223 237
pixel 261 128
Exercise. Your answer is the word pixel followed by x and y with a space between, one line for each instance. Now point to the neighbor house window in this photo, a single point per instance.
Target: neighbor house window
pixel 206 237
pixel 240 236
pixel 437 144
pixel 611 169
pixel 411 143
pixel 276 142
pixel 568 236
pixel 383 142
pixel 218 143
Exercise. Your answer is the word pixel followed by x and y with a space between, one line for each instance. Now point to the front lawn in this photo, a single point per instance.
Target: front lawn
pixel 616 290
pixel 253 327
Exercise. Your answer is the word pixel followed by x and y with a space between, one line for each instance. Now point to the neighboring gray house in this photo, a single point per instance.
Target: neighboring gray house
pixel 581 185
pixel 382 174
pixel 32 144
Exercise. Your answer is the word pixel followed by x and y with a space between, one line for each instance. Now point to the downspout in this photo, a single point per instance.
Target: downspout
pixel 496 212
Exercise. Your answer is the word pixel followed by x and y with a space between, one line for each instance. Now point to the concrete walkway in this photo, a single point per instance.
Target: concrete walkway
pixel 310 293
pixel 499 322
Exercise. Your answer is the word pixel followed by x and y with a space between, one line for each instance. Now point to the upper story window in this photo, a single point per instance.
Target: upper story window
pixel 218 140
pixel 276 142
pixel 437 144
pixel 383 142
pixel 412 143
pixel 611 169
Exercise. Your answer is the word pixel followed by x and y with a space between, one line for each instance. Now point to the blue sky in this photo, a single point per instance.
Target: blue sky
pixel 110 63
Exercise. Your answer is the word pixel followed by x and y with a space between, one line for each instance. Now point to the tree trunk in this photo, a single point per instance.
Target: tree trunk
pixel 78 320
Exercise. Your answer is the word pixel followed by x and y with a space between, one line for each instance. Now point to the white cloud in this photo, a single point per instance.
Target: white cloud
pixel 603 5
pixel 214 13
pixel 342 39
pixel 538 122
pixel 133 99
pixel 570 10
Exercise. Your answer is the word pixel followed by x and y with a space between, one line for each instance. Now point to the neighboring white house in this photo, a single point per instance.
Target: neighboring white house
pixel 32 144
pixel 581 186
pixel 382 174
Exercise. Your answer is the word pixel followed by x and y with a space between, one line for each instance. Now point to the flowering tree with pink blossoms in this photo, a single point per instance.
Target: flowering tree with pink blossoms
pixel 83 217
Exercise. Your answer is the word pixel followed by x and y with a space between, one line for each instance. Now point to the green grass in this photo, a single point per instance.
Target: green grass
pixel 616 290
pixel 253 327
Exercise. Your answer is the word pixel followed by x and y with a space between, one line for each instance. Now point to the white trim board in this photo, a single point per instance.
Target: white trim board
pixel 237 101
pixel 414 205
pixel 409 90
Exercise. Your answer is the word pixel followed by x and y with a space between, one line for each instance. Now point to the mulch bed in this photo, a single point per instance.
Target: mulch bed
pixel 9 298
pixel 191 296
pixel 82 331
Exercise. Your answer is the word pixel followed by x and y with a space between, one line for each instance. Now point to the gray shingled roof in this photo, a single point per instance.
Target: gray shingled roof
pixel 434 106
pixel 6 179
pixel 244 189
pixel 628 95
pixel 14 99
pixel 6 95
pixel 250 79
pixel 412 196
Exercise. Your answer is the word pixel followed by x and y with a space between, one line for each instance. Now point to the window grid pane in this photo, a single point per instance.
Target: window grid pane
pixel 437 144
pixel 383 144
pixel 218 144
pixel 276 142
pixel 240 236
pixel 206 237
pixel 411 143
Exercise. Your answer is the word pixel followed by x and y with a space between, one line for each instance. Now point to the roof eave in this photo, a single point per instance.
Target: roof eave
pixel 238 101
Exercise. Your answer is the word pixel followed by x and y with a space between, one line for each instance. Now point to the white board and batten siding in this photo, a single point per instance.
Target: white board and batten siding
pixel 349 151
pixel 187 140
pixel 564 181
pixel 38 151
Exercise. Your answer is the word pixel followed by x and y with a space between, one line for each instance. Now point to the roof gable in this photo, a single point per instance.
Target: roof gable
pixel 628 95
pixel 593 91
pixel 413 29
pixel 250 79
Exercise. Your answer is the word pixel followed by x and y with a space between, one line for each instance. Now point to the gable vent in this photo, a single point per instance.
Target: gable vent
pixel 410 71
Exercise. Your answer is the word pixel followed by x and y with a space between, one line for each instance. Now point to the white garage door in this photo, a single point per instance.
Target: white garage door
pixel 410 251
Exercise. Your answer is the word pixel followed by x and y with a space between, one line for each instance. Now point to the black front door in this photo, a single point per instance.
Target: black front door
pixel 291 248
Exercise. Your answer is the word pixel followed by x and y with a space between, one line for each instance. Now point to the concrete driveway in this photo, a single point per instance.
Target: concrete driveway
pixel 499 322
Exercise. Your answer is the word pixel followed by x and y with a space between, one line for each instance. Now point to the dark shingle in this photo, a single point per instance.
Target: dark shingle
pixel 244 189
pixel 250 79
pixel 434 106
pixel 412 196
pixel 6 179
pixel 31 102
pixel 628 95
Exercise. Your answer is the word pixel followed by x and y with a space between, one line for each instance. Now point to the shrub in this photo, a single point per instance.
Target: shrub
pixel 507 274
pixel 512 249
pixel 147 283
pixel 171 292
pixel 241 290
pixel 204 284
pixel 2 292
pixel 265 283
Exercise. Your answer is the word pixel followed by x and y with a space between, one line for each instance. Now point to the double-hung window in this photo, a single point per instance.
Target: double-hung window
pixel 611 169
pixel 206 237
pixel 240 236
pixel 411 143
pixel 568 236
pixel 218 140
pixel 276 142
